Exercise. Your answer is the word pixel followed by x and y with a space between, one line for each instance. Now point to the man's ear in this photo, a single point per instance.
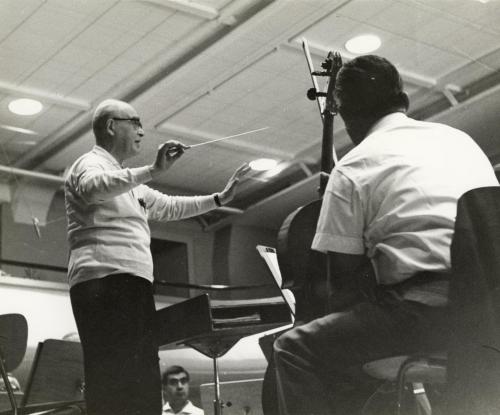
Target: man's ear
pixel 110 127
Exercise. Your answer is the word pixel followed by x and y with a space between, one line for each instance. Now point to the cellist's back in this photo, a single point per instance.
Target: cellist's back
pixel 402 183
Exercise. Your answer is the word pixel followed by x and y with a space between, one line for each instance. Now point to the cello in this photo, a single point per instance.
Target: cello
pixel 304 271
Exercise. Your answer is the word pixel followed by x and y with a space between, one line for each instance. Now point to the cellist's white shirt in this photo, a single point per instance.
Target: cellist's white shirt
pixel 394 196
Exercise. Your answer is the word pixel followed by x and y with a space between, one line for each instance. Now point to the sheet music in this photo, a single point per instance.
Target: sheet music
pixel 269 255
pixel 236 321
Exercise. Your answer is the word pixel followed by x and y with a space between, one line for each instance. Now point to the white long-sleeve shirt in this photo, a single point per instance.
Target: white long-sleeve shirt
pixel 108 208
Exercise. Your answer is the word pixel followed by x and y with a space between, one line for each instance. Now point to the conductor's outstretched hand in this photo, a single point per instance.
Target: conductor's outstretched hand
pixel 230 190
pixel 168 153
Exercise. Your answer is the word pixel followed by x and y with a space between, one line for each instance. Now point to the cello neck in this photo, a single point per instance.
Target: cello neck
pixel 327 151
pixel 332 66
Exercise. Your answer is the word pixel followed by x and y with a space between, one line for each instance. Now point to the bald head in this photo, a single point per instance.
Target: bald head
pixel 117 129
pixel 107 109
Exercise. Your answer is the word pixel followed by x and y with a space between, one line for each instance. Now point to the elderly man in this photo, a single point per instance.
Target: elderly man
pixel 110 265
pixel 388 214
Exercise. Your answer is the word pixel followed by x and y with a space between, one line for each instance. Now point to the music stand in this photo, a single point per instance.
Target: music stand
pixel 241 396
pixel 215 348
pixel 56 374
pixel 214 329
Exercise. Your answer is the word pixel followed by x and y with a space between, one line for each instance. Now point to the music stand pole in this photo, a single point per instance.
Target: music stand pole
pixel 217 400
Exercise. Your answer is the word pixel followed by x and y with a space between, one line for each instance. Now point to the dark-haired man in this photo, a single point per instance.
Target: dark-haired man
pixel 388 214
pixel 110 268
pixel 175 382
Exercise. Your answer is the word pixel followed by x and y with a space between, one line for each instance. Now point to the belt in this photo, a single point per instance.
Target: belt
pixel 426 287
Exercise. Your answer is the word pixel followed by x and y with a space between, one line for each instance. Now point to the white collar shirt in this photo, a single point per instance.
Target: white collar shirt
pixel 393 197
pixel 189 409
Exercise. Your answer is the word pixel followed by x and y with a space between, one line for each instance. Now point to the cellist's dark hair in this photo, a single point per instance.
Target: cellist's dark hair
pixel 370 85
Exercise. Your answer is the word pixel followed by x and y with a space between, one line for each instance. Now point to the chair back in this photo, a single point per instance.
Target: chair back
pixel 474 354
pixel 13 339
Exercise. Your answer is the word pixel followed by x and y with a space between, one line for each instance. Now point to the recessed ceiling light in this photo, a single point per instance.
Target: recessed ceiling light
pixel 263 164
pixel 25 106
pixel 363 44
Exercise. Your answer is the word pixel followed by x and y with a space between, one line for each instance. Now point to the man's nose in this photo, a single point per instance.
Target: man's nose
pixel 140 132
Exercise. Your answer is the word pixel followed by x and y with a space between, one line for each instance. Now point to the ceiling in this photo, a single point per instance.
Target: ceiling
pixel 204 69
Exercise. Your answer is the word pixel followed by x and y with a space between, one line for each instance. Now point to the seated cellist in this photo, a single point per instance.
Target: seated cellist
pixel 387 216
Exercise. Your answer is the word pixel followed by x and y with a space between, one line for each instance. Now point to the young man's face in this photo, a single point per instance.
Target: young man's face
pixel 177 387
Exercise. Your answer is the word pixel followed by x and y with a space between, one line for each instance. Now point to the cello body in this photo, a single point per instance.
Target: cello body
pixel 304 270
pixel 306 276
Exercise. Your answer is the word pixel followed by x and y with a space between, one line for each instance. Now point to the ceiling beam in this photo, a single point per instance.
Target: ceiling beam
pixel 44 96
pixel 319 50
pixel 32 174
pixel 265 202
pixel 207 34
pixel 187 6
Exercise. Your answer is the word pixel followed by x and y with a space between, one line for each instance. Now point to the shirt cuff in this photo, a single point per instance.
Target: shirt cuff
pixel 323 242
pixel 141 174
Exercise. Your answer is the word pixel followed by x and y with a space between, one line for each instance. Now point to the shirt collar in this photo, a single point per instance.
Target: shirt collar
pixel 106 154
pixel 188 408
pixel 388 121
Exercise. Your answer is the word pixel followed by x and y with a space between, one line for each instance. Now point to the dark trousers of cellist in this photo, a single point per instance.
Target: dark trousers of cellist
pixel 319 364
pixel 392 200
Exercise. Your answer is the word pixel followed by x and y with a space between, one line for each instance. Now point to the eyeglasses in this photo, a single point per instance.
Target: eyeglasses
pixel 135 121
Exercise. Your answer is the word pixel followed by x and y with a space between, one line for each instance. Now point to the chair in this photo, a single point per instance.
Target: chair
pixel 474 353
pixel 471 366
pixel 56 374
pixel 13 343
pixel 416 370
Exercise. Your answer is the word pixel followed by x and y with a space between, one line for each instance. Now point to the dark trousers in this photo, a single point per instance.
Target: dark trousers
pixel 115 316
pixel 319 364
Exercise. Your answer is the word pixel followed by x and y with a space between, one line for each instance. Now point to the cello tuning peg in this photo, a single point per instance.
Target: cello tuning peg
pixel 311 94
pixel 327 65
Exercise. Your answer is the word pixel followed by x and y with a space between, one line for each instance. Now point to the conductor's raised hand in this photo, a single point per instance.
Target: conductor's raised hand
pixel 168 153
pixel 230 190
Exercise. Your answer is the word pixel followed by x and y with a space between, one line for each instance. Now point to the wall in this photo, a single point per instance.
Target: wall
pixel 19 241
pixel 225 256
pixel 245 266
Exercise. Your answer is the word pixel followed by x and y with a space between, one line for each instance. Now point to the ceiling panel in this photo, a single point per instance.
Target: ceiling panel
pixel 197 76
